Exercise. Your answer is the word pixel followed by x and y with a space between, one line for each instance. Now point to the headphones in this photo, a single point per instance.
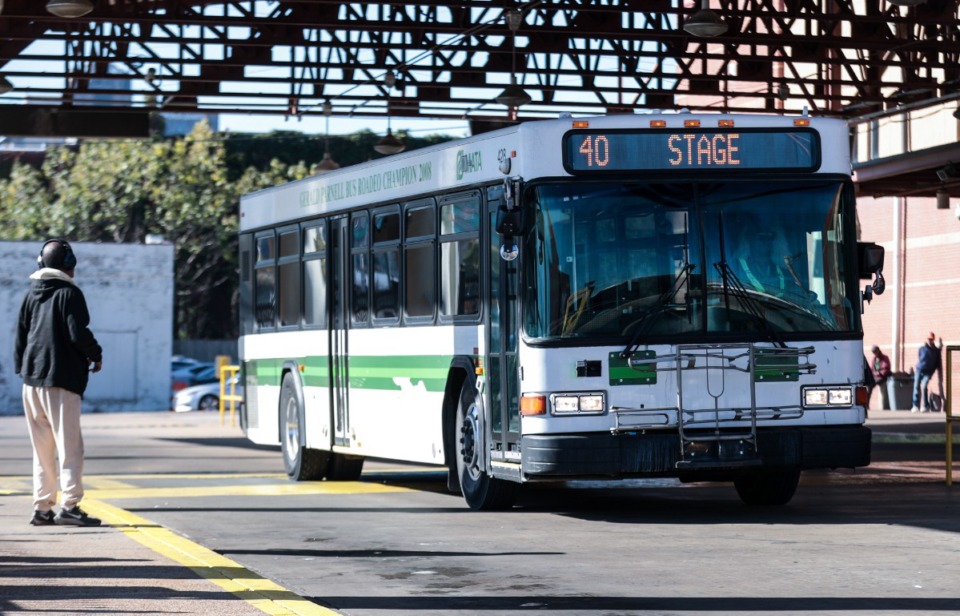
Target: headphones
pixel 69 260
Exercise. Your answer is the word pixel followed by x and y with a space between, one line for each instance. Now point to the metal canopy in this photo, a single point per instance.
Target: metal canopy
pixel 452 59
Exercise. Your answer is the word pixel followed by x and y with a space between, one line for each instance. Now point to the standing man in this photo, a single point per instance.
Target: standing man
pixel 53 354
pixel 927 365
pixel 881 370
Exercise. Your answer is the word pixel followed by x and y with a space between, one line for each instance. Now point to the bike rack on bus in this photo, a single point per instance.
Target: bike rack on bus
pixel 706 431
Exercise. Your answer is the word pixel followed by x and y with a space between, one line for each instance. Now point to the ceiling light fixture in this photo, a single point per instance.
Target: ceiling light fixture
pixel 389 144
pixel 327 164
pixel 69 9
pixel 943 199
pixel 513 95
pixel 705 22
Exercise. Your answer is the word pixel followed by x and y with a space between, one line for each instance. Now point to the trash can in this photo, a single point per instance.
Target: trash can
pixel 900 391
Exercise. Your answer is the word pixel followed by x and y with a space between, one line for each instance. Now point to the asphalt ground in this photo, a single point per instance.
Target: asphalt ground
pixel 134 565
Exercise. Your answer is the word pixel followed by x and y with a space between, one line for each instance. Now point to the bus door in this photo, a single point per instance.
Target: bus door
pixel 502 369
pixel 339 325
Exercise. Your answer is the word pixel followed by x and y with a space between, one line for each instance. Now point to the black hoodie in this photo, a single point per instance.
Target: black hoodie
pixel 54 346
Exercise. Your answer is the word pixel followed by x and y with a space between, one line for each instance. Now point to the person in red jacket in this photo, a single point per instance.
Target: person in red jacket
pixel 54 352
pixel 881 370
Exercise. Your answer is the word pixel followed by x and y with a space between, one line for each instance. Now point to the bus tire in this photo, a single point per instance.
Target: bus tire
pixel 481 491
pixel 301 463
pixel 767 489
pixel 344 467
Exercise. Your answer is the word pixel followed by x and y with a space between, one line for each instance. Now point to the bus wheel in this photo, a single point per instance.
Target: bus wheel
pixel 481 491
pixel 767 489
pixel 301 463
pixel 344 468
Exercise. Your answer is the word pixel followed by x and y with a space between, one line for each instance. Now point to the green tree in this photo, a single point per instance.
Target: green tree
pixel 186 189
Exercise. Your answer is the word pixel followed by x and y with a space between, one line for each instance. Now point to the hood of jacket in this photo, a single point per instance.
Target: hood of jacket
pixel 47 280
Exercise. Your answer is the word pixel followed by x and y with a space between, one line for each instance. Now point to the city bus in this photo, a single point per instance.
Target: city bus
pixel 627 296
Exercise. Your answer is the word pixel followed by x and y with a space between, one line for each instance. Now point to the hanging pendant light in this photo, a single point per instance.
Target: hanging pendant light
pixel 513 95
pixel 327 164
pixel 389 144
pixel 69 9
pixel 705 22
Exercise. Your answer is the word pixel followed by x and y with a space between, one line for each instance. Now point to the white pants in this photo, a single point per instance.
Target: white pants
pixel 53 419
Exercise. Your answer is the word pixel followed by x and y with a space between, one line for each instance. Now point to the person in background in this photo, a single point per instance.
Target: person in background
pixel 928 364
pixel 881 371
pixel 54 352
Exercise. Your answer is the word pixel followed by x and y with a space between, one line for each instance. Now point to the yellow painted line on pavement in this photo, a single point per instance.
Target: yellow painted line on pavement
pixel 277 476
pixel 104 483
pixel 265 595
pixel 279 489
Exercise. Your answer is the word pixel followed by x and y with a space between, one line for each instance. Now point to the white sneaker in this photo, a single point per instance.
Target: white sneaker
pixel 914 410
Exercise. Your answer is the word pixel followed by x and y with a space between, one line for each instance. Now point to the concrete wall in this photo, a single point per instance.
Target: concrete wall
pixel 129 291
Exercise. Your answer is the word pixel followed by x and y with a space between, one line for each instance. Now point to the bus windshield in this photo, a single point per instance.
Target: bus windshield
pixel 694 261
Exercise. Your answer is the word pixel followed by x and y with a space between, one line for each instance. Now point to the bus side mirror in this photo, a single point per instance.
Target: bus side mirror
pixel 869 259
pixel 510 223
pixel 870 263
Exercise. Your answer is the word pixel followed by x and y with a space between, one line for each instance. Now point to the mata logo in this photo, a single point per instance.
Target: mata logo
pixel 468 162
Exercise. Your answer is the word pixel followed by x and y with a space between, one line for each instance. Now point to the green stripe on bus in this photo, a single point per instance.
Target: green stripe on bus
pixel 392 373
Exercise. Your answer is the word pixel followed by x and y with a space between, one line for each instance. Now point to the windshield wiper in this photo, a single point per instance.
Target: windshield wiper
pixel 731 281
pixel 655 309
pixel 732 284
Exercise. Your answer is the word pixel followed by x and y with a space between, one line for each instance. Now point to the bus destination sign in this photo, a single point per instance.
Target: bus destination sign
pixel 590 151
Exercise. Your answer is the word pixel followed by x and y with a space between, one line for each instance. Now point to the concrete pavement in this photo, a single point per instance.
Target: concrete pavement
pixel 132 566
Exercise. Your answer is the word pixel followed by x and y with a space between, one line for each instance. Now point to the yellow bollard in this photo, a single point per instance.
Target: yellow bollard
pixel 227 372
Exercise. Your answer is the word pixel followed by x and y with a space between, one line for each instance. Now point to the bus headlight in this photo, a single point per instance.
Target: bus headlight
pixel 841 396
pixel 581 403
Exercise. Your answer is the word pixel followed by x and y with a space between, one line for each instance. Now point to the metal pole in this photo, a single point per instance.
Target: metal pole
pixel 948 409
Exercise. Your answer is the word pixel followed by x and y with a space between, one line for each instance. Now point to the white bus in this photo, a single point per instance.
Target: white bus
pixel 672 295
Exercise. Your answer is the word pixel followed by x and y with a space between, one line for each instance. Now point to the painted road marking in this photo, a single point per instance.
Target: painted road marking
pixel 263 594
pixel 278 489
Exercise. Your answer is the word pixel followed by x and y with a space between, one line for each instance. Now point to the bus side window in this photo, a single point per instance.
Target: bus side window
pixel 265 288
pixel 288 279
pixel 386 265
pixel 460 256
pixel 360 268
pixel 420 269
pixel 315 276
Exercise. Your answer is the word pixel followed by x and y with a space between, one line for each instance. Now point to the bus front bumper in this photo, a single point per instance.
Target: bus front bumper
pixel 657 453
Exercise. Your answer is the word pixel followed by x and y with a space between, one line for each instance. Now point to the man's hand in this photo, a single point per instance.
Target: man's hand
pixel 96 366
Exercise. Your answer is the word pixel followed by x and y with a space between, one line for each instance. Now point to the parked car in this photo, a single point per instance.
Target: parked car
pixel 179 362
pixel 197 374
pixel 205 397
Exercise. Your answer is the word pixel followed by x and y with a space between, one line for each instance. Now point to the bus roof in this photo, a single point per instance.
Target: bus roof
pixel 529 150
